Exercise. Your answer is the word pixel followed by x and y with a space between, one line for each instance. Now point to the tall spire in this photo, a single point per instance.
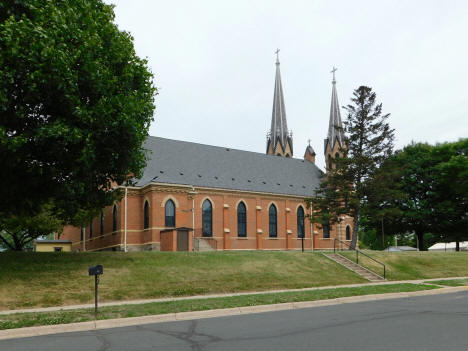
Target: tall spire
pixel 335 127
pixel 279 128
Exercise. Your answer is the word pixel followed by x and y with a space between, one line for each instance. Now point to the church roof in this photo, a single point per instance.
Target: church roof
pixel 182 162
pixel 334 134
pixel 279 125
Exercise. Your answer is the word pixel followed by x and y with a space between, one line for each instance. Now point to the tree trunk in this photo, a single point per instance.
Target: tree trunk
pixel 457 247
pixel 355 231
pixel 420 236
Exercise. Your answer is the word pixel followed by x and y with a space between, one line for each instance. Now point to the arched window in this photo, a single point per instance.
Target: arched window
pixel 300 222
pixel 326 231
pixel 273 221
pixel 146 215
pixel 114 219
pixel 348 233
pixel 102 223
pixel 330 162
pixel 91 229
pixel 207 218
pixel 241 220
pixel 170 213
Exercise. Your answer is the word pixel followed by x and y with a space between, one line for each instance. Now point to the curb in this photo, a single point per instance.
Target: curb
pixel 172 317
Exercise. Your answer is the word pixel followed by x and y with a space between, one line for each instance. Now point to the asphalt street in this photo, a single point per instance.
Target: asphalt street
pixel 437 322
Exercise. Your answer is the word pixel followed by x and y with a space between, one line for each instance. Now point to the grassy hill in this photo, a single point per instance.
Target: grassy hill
pixel 53 279
pixel 415 265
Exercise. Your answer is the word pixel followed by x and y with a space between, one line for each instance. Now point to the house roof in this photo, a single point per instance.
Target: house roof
pixel 187 163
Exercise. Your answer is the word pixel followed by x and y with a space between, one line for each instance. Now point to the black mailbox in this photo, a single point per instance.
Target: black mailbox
pixel 96 270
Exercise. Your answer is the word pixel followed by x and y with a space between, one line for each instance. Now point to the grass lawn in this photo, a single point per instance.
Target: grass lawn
pixel 455 282
pixel 415 265
pixel 56 279
pixel 20 320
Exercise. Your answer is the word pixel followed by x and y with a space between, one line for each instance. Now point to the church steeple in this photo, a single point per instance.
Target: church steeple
pixel 335 140
pixel 279 139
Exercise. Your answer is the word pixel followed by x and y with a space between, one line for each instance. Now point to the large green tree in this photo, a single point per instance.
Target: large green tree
pixel 17 232
pixel 426 192
pixel 408 201
pixel 451 191
pixel 369 141
pixel 76 103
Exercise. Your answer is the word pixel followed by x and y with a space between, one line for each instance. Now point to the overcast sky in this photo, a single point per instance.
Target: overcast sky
pixel 214 65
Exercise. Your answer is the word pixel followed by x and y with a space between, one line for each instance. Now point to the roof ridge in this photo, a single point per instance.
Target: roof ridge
pixel 226 147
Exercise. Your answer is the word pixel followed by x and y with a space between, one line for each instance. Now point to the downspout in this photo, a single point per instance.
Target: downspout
pixel 125 219
pixel 193 193
pixel 311 226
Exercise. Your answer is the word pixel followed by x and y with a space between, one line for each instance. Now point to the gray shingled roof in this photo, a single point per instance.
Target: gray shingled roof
pixel 181 162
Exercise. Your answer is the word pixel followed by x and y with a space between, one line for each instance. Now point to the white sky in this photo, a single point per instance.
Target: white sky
pixel 213 63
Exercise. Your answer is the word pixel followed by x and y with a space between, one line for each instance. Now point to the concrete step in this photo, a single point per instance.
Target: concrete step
pixel 358 269
pixel 202 244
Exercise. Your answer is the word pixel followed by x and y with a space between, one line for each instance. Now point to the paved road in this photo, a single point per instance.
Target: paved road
pixel 438 322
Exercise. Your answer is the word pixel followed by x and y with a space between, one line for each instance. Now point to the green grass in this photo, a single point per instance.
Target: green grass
pixel 19 320
pixel 415 265
pixel 454 282
pixel 55 279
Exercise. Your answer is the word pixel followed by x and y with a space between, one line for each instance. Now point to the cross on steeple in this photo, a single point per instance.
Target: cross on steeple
pixel 333 71
pixel 335 127
pixel 279 141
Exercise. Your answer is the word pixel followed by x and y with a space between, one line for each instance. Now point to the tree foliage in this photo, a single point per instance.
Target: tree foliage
pixel 426 192
pixel 451 190
pixel 369 141
pixel 75 107
pixel 17 232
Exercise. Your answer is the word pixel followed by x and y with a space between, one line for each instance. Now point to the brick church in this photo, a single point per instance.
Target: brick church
pixel 201 197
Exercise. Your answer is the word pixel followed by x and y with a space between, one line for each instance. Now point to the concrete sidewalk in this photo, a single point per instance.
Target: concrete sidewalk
pixel 166 299
pixel 171 317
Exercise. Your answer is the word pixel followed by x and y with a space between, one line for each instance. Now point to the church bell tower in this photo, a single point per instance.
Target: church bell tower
pixel 335 141
pixel 279 139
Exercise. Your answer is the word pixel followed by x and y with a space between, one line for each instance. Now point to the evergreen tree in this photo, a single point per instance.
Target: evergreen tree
pixel 369 141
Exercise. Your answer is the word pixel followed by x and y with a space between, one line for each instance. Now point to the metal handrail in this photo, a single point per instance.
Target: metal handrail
pixel 357 255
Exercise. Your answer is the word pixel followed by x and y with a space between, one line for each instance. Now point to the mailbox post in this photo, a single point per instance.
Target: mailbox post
pixel 96 271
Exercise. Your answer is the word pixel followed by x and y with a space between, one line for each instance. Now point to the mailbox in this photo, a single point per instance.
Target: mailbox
pixel 96 270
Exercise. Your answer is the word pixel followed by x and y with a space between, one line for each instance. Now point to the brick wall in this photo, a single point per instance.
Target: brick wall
pixel 225 228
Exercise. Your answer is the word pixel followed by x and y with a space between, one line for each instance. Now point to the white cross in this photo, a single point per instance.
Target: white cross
pixel 333 71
